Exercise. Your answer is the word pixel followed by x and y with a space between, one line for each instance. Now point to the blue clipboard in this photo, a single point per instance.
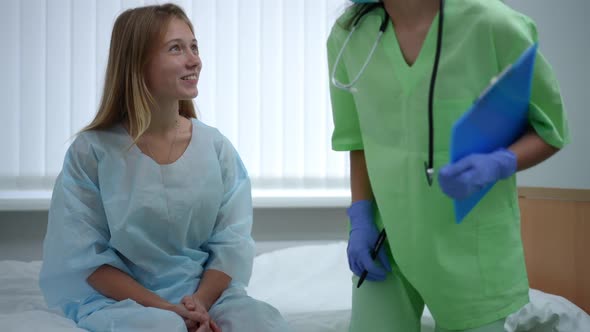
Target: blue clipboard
pixel 495 120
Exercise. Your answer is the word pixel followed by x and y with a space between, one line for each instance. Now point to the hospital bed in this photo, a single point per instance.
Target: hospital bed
pixel 310 282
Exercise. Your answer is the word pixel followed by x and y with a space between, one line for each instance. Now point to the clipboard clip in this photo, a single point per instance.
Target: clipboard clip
pixel 493 81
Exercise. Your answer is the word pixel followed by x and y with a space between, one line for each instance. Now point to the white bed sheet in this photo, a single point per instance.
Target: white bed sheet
pixel 309 284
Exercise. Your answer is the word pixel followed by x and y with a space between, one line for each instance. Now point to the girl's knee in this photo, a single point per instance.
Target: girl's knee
pixel 133 317
pixel 247 314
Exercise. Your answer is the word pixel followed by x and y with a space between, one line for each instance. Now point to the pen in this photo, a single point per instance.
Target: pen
pixel 378 245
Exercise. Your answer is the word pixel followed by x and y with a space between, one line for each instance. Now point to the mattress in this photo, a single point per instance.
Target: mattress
pixel 309 284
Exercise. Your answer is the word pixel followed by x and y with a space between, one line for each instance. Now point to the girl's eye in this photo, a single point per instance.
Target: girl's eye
pixel 195 48
pixel 175 48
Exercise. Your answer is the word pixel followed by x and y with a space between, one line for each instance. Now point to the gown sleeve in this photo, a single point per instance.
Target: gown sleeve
pixel 513 33
pixel 77 238
pixel 231 247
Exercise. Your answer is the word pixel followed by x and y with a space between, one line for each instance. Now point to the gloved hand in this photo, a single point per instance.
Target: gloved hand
pixel 472 173
pixel 363 235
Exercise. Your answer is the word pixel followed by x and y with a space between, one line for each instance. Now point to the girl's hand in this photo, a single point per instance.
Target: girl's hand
pixel 192 303
pixel 193 319
pixel 212 327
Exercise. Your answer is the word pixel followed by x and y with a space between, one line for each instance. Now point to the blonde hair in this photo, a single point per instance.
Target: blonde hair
pixel 125 95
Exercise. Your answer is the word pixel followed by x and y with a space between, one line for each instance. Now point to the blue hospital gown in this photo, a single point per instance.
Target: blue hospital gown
pixel 164 225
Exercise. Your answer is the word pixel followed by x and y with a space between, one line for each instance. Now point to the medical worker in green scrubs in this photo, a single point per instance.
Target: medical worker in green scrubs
pixel 470 275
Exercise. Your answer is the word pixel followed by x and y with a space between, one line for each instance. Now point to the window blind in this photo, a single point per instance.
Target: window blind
pixel 264 84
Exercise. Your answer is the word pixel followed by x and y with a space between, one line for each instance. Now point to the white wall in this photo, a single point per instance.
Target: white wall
pixel 564 30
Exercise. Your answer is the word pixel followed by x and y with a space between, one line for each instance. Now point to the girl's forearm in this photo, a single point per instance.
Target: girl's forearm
pixel 213 284
pixel 118 285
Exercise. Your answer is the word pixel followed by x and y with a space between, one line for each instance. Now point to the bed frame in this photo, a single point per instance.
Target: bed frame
pixel 556 237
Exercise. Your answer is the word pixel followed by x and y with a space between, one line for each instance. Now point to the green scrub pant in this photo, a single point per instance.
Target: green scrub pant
pixel 393 305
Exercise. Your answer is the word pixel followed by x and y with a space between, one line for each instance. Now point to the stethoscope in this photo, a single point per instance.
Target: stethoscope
pixel 428 166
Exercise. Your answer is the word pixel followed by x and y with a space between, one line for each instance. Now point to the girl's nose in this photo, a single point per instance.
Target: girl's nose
pixel 193 60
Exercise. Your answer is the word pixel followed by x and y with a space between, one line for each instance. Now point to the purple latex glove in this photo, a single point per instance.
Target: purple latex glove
pixel 472 173
pixel 363 235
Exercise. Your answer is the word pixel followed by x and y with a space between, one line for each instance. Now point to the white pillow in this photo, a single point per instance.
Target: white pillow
pixel 303 279
pixel 316 278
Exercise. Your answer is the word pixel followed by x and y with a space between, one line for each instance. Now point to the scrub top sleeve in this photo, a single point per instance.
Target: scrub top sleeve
pixel 77 238
pixel 231 247
pixel 347 134
pixel 546 112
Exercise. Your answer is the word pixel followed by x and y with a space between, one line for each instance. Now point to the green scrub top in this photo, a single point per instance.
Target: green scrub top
pixel 474 272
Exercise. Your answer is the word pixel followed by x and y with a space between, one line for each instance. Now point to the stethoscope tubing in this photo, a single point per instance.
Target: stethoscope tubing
pixel 428 165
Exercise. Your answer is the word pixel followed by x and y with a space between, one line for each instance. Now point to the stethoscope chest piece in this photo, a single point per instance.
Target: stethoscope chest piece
pixel 429 171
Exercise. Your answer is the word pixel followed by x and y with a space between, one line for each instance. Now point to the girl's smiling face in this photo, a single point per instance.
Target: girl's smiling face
pixel 173 71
